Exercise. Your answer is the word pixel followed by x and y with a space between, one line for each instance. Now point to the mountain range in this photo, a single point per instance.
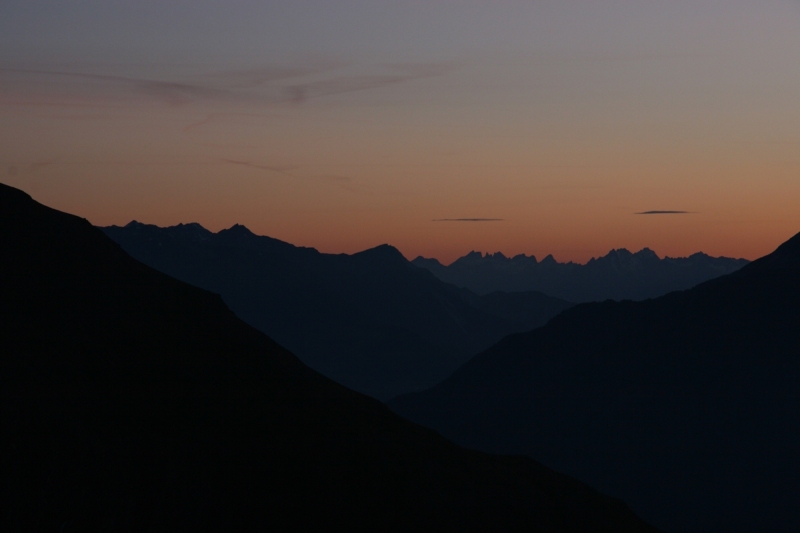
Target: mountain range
pixel 371 321
pixel 686 406
pixel 132 401
pixel 619 275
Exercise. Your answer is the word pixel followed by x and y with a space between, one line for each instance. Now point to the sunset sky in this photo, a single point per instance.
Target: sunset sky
pixel 346 124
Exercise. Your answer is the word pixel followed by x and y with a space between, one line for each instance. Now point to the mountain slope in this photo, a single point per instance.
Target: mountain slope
pixel 619 275
pixel 131 401
pixel 371 321
pixel 686 406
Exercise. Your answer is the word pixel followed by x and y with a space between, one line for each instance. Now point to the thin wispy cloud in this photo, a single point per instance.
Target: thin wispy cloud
pixel 33 167
pixel 92 87
pixel 286 171
pixel 267 86
pixel 665 213
pixel 468 220
pixel 344 182
pixel 256 77
pixel 300 93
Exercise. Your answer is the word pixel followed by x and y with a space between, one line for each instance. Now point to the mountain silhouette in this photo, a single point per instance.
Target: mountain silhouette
pixel 132 401
pixel 371 321
pixel 619 275
pixel 686 406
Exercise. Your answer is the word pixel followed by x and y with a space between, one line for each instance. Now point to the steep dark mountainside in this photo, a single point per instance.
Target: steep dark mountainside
pixel 686 406
pixel 619 275
pixel 371 321
pixel 134 402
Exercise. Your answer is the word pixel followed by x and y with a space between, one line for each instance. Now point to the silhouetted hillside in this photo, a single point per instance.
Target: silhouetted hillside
pixel 371 321
pixel 686 406
pixel 134 402
pixel 620 275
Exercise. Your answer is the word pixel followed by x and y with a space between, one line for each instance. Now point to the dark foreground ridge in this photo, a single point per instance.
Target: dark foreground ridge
pixel 686 406
pixel 371 321
pixel 132 401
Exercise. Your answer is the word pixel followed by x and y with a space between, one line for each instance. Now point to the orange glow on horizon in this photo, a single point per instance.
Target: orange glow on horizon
pixel 563 133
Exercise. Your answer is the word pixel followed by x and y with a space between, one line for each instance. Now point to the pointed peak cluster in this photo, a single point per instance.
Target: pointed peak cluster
pixel 618 275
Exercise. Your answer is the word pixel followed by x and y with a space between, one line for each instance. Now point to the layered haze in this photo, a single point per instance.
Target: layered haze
pixel 522 127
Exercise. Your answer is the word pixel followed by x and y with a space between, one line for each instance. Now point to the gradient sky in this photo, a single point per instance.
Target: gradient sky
pixel 344 125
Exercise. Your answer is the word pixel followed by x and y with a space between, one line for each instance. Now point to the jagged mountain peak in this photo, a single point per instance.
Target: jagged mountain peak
pixel 385 252
pixel 646 253
pixel 142 226
pixel 191 225
pixel 193 230
pixel 523 257
pixel 625 258
pixel 239 229
pixel 622 252
pixel 618 275
pixel 241 235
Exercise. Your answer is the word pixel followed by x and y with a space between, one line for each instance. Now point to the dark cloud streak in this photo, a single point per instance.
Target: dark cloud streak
pixel 665 213
pixel 468 220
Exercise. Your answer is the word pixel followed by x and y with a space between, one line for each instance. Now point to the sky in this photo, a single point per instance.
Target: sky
pixel 564 127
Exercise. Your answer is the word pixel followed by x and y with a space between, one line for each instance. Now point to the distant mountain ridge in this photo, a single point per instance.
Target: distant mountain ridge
pixel 132 401
pixel 687 406
pixel 371 320
pixel 619 275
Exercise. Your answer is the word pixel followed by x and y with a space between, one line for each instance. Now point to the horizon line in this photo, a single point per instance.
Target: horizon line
pixel 666 213
pixel 467 220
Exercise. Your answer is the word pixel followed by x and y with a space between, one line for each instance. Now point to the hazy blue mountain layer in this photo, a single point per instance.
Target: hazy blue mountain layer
pixel 619 275
pixel 134 402
pixel 371 321
pixel 686 406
